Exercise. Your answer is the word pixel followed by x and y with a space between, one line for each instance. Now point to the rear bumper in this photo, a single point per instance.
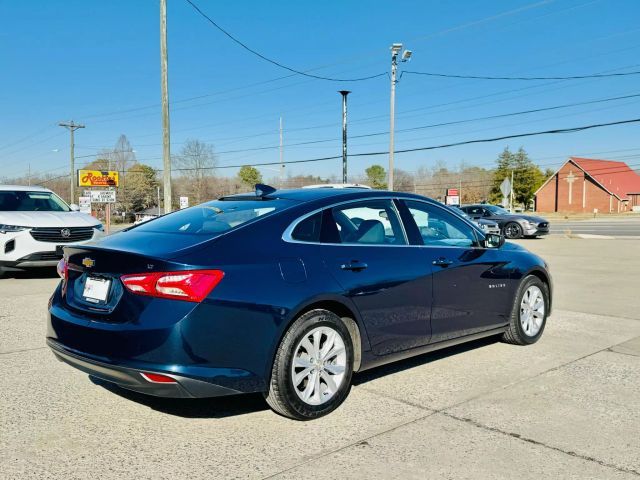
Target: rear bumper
pixel 132 379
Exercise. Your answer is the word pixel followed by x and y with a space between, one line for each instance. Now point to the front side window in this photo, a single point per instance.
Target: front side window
pixel 19 201
pixel 475 211
pixel 439 227
pixel 371 222
pixel 496 210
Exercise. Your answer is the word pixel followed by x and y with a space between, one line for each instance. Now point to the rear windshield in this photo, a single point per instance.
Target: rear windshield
pixel 214 217
pixel 31 202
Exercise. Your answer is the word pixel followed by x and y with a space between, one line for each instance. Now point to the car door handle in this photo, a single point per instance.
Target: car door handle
pixel 442 262
pixel 354 266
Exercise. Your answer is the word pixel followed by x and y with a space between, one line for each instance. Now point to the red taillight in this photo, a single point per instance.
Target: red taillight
pixel 190 285
pixel 63 269
pixel 157 378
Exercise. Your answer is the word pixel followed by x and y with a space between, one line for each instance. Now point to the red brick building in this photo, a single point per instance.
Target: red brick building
pixel 582 185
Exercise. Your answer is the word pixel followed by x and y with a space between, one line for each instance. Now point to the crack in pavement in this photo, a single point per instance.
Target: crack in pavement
pixel 541 444
pixel 361 441
pixel 23 350
pixel 622 353
pixel 443 411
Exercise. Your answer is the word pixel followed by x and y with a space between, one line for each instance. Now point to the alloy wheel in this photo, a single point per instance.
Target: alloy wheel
pixel 319 365
pixel 512 230
pixel 532 309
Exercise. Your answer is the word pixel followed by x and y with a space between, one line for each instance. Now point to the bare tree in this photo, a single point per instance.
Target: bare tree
pixel 196 163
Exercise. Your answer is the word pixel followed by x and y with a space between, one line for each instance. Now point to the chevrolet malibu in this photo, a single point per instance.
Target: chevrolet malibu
pixel 289 293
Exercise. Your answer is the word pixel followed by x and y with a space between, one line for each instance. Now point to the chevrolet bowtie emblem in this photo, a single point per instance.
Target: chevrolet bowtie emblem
pixel 88 262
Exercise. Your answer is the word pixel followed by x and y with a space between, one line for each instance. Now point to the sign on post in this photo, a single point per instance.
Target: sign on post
pixel 97 178
pixel 84 203
pixel 103 196
pixel 505 187
pixel 452 196
pixel 184 202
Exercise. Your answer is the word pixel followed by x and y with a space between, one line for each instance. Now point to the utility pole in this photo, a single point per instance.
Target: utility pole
pixel 72 127
pixel 396 48
pixel 281 156
pixel 344 94
pixel 166 149
pixel 29 175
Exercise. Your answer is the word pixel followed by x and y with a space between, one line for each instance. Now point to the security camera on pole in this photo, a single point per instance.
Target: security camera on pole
pixel 396 48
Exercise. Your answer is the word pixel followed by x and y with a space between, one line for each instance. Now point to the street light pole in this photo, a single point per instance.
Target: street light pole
pixel 344 94
pixel 396 48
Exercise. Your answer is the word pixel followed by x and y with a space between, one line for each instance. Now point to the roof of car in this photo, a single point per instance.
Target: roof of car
pixel 307 194
pixel 23 188
pixel 311 194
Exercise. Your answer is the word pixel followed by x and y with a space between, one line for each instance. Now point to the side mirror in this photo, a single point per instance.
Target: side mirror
pixel 492 240
pixel 74 207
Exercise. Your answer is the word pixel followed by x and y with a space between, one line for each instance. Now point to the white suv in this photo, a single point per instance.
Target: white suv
pixel 35 224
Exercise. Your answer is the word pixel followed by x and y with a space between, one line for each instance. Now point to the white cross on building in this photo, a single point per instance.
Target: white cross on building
pixel 570 179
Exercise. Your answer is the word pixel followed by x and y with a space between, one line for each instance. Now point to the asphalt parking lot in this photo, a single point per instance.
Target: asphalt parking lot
pixel 567 407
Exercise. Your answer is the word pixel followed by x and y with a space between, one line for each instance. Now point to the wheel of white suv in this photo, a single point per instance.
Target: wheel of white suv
pixel 311 374
pixel 529 312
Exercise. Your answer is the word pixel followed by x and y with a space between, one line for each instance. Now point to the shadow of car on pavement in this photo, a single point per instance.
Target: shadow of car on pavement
pixel 234 405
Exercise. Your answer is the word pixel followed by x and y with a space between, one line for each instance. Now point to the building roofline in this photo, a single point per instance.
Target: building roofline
pixel 571 159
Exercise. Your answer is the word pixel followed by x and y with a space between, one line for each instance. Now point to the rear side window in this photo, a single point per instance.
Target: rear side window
pixel 372 222
pixel 213 218
pixel 308 230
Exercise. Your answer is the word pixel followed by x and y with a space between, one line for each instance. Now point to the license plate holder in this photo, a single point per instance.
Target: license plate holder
pixel 96 289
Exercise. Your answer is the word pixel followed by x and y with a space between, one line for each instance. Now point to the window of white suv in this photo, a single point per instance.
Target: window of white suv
pixel 36 201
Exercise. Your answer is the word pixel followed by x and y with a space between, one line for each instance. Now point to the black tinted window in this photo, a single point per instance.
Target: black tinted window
pixel 212 218
pixel 308 230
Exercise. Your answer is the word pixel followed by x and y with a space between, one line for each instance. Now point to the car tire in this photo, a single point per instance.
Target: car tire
pixel 512 230
pixel 323 375
pixel 527 322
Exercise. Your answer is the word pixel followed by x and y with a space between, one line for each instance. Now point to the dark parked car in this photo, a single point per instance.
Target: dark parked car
pixel 486 225
pixel 289 293
pixel 513 225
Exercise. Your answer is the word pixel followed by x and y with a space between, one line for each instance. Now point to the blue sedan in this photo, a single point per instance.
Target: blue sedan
pixel 288 293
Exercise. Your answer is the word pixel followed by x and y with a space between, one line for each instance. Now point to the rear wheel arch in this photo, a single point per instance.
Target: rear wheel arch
pixel 348 315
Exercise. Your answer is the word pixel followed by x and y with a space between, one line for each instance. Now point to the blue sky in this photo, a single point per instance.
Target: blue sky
pixel 97 62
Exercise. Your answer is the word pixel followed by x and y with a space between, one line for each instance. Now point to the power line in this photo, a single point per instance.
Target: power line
pixel 506 137
pixel 28 137
pixel 481 77
pixel 436 147
pixel 274 62
pixel 366 135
